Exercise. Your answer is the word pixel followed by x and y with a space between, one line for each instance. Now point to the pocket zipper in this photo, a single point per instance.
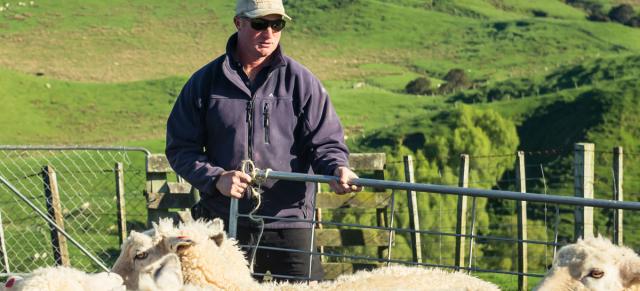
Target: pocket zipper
pixel 267 139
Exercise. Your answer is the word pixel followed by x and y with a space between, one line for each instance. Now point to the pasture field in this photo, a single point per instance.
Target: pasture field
pixel 107 73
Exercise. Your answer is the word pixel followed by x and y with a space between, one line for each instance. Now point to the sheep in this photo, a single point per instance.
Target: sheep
pixel 593 264
pixel 165 274
pixel 139 250
pixel 64 278
pixel 209 259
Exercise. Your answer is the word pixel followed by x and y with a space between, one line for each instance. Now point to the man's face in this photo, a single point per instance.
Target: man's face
pixel 258 42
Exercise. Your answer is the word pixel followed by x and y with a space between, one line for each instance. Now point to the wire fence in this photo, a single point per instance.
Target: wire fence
pixel 491 228
pixel 86 182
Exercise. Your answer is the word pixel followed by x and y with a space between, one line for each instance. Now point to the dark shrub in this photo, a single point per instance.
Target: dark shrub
pixel 634 22
pixel 419 86
pixel 598 16
pixel 622 13
pixel 539 13
pixel 456 79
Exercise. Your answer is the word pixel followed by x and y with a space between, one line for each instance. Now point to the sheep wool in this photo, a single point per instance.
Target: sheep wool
pixel 210 259
pixel 65 278
pixel 593 264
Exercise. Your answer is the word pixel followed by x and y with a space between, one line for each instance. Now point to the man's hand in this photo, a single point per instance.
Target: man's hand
pixel 342 186
pixel 233 183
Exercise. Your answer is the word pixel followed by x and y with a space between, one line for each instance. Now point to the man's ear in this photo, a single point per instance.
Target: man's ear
pixel 236 21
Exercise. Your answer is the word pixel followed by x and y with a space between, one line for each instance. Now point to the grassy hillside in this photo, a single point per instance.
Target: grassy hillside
pixel 124 41
pixel 95 72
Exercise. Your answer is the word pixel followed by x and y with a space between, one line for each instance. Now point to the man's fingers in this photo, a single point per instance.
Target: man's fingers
pixel 241 177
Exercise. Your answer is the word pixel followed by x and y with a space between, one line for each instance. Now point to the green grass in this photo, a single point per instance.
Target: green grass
pixel 112 70
pixel 57 112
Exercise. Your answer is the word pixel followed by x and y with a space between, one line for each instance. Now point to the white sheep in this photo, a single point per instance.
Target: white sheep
pixel 64 278
pixel 139 250
pixel 593 264
pixel 165 274
pixel 209 260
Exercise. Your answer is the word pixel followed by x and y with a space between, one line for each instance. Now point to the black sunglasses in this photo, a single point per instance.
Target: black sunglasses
pixel 260 24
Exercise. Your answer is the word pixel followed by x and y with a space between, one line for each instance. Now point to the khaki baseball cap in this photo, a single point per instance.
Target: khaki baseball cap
pixel 259 8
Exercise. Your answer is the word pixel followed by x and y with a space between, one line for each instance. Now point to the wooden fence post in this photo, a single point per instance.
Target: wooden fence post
pixel 3 247
pixel 461 223
pixel 521 206
pixel 583 187
pixel 414 220
pixel 120 202
pixel 58 241
pixel 617 195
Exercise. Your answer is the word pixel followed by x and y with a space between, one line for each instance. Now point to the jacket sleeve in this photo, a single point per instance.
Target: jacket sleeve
pixel 324 134
pixel 186 139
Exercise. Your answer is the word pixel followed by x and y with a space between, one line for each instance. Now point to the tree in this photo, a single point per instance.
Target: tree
pixel 622 13
pixel 456 80
pixel 419 86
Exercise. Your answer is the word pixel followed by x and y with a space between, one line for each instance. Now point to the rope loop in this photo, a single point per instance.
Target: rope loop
pixel 249 168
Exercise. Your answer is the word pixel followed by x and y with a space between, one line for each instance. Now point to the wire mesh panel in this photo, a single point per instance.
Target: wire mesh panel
pixel 86 184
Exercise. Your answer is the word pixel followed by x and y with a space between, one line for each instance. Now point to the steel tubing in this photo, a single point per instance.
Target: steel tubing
pixel 473 192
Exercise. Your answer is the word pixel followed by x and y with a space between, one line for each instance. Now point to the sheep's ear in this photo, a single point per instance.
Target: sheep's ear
pixel 217 224
pixel 219 238
pixel 176 242
pixel 630 272
pixel 216 231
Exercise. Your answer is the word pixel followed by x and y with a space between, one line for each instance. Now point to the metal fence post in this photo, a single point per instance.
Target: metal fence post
pixel 414 220
pixel 3 247
pixel 120 202
pixel 583 187
pixel 521 206
pixel 618 175
pixel 58 241
pixel 233 218
pixel 461 223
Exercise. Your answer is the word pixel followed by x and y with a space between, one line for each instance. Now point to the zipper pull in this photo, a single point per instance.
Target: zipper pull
pixel 266 115
pixel 249 107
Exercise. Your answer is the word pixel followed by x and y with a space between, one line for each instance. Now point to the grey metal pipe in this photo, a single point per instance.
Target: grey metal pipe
pixel 233 218
pixel 52 223
pixel 473 192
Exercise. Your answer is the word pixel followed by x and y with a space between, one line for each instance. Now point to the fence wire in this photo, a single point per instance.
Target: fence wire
pixel 86 180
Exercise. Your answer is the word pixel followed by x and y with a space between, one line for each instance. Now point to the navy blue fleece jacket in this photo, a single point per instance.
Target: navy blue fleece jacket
pixel 285 122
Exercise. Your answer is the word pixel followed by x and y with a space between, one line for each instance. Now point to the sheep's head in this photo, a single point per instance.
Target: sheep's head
pixel 207 256
pixel 164 274
pixel 140 250
pixel 199 232
pixel 593 264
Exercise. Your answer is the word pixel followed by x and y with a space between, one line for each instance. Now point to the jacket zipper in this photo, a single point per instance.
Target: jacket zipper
pixel 250 128
pixel 265 114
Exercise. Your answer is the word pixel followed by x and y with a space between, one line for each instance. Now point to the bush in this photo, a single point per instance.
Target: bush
pixel 634 22
pixel 539 13
pixel 597 15
pixel 622 13
pixel 456 80
pixel 419 86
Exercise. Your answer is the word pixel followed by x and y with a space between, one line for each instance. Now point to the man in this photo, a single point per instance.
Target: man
pixel 254 103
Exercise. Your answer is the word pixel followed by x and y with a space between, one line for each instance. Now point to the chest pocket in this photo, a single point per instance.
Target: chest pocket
pixel 278 119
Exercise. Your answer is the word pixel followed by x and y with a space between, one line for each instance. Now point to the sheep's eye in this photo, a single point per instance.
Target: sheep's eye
pixel 141 256
pixel 596 273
